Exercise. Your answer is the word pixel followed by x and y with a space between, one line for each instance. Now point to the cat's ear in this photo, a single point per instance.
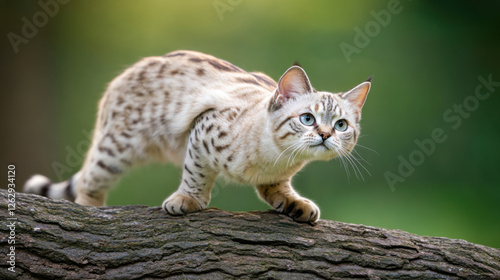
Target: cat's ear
pixel 357 95
pixel 292 84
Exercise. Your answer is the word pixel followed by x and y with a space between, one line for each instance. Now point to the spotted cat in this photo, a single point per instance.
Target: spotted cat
pixel 213 118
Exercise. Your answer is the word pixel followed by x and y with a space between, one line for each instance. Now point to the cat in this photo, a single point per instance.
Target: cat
pixel 213 118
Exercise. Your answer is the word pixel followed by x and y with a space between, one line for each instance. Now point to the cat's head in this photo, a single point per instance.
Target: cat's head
pixel 314 125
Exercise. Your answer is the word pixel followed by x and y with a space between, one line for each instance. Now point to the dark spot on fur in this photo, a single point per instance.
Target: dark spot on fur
pixel 187 169
pixel 286 135
pixel 120 101
pixel 153 63
pixel 225 110
pixel 222 134
pixel 206 146
pixel 283 122
pixel 44 190
pixel 200 72
pixel 110 169
pixel 274 106
pixel 248 81
pixel 221 148
pixel 68 191
pixel 107 150
pixel 142 75
pixel 232 115
pixel 265 79
pixel 210 127
pixel 195 59
pixel 223 65
pixel 161 71
pixel 177 72
pixel 126 135
pixel 175 54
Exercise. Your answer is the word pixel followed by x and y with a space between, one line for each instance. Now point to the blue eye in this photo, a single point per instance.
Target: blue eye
pixel 341 125
pixel 307 119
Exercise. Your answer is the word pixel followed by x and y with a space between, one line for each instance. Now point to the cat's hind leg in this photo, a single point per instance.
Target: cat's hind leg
pixel 107 160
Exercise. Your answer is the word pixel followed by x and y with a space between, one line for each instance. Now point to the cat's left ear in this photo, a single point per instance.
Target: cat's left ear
pixel 357 95
pixel 293 84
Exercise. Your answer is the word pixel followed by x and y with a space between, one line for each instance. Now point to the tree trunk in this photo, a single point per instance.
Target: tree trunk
pixel 57 239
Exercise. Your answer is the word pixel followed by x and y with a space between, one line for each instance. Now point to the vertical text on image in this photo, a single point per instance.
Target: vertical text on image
pixel 11 220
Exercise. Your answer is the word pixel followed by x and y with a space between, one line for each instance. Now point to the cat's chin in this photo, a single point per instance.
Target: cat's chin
pixel 321 152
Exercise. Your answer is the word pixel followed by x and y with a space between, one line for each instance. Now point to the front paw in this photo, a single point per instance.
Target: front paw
pixel 181 204
pixel 300 209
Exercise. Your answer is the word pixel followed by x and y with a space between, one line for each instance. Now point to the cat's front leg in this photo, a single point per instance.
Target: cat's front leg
pixel 193 193
pixel 196 184
pixel 180 203
pixel 282 197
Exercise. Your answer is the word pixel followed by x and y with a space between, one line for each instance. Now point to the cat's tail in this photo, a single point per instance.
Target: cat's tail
pixel 41 185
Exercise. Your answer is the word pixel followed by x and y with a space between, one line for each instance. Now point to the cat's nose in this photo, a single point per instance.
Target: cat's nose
pixel 324 135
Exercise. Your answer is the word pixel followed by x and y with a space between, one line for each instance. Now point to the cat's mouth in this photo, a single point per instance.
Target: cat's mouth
pixel 321 146
pixel 321 151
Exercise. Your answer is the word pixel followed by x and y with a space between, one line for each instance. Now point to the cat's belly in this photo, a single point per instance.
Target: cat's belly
pixel 260 173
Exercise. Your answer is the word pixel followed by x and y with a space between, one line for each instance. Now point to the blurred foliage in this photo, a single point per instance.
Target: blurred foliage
pixel 424 59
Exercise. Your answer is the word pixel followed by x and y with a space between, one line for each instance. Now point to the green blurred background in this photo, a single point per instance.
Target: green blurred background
pixel 425 58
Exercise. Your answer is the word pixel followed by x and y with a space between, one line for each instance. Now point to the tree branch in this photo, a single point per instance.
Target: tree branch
pixel 57 239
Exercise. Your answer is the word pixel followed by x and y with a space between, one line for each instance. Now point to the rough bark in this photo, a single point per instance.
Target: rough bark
pixel 56 239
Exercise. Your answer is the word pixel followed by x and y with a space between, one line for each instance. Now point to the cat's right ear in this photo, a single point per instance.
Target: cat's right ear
pixel 292 84
pixel 357 95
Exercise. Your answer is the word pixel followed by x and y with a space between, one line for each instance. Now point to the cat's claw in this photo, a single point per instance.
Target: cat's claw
pixel 181 204
pixel 301 210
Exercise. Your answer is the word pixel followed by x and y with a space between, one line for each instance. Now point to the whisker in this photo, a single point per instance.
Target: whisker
pixel 342 161
pixel 353 165
pixel 289 147
pixel 369 149
pixel 357 160
pixel 301 150
pixel 291 156
pixel 361 157
pixel 354 162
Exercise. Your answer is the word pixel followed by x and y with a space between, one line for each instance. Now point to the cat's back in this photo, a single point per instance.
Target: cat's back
pixel 188 75
pixel 204 67
pixel 163 95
